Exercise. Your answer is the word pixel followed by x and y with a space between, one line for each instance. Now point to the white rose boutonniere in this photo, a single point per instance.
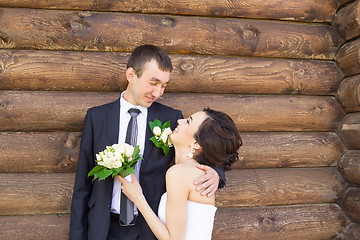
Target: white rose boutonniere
pixel 161 133
pixel 115 159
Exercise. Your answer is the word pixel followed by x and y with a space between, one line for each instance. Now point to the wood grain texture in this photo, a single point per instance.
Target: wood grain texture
pixel 50 193
pixel 348 58
pixel 51 111
pixel 42 152
pixel 266 187
pixel 104 71
pixel 347 21
pixel 349 131
pixel 310 222
pixel 298 222
pixel 36 193
pixel 49 227
pixel 58 151
pixel 288 149
pixel 349 166
pixel 351 232
pixel 99 31
pixel 350 203
pixel 349 93
pixel 307 10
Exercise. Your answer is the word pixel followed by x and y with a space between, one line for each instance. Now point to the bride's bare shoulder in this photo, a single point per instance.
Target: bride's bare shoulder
pixel 183 172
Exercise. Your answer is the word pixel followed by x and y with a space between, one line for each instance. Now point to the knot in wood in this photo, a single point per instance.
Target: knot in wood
pixel 267 222
pixel 187 66
pixel 249 32
pixel 168 22
pixel 76 26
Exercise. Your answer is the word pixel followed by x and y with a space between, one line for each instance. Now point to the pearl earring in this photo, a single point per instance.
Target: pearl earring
pixel 191 153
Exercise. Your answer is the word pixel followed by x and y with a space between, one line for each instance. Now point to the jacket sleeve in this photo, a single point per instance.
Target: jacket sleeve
pixel 221 173
pixel 83 184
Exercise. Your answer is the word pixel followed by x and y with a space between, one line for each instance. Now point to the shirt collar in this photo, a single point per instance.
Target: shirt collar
pixel 125 105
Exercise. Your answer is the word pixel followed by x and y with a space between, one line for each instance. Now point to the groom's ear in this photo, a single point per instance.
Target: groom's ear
pixel 130 74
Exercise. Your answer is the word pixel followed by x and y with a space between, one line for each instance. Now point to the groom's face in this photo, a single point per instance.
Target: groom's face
pixel 147 88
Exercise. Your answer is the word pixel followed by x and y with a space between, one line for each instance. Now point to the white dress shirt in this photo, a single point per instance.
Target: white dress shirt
pixel 123 123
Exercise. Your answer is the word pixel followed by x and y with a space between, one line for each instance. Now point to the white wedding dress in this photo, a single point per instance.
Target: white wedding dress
pixel 200 219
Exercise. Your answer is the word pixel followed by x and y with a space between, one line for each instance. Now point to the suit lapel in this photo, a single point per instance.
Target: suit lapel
pixel 148 144
pixel 113 122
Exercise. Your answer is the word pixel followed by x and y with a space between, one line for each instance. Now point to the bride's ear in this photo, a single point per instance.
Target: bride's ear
pixel 196 146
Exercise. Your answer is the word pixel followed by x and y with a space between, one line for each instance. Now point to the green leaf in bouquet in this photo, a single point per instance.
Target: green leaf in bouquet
pixel 157 122
pixel 136 152
pixel 155 141
pixel 96 169
pixel 130 170
pixel 104 173
pixel 165 149
pixel 123 173
pixel 166 125
pixel 152 125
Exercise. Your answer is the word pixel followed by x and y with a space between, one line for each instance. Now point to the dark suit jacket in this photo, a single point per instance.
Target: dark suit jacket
pixel 91 202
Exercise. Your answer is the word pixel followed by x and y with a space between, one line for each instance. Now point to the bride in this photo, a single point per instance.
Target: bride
pixel 207 137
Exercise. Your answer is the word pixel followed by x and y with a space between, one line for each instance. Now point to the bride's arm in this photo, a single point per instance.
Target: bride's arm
pixel 176 206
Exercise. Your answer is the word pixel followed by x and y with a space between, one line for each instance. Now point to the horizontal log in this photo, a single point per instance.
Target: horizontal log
pixel 351 232
pixel 349 166
pixel 348 58
pixel 50 227
pixel 310 222
pixel 347 21
pixel 66 110
pixel 266 187
pixel 293 149
pixel 349 93
pixel 100 31
pixel 50 193
pixel 42 152
pixel 36 193
pixel 349 131
pixel 350 203
pixel 307 10
pixel 321 221
pixel 99 71
pixel 58 151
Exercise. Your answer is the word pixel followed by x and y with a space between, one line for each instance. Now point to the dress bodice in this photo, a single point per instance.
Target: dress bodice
pixel 200 219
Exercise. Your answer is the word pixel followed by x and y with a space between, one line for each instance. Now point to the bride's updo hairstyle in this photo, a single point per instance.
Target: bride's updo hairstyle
pixel 219 140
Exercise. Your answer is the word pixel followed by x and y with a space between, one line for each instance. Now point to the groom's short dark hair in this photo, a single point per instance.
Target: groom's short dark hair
pixel 145 53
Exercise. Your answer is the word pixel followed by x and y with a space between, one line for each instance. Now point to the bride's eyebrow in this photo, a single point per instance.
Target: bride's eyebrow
pixel 191 119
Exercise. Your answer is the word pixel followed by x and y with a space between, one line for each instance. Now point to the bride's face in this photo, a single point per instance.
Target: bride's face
pixel 187 128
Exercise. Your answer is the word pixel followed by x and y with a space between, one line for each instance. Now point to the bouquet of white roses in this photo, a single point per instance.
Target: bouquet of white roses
pixel 116 159
pixel 161 133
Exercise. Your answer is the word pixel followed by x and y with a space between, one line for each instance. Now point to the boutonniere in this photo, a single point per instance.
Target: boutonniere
pixel 161 133
pixel 116 159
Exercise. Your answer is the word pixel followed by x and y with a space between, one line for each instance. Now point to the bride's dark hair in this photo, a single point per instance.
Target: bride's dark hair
pixel 219 140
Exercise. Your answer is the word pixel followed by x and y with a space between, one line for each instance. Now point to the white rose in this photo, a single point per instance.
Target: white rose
pixel 120 148
pixel 107 162
pixel 157 131
pixel 129 150
pixel 118 155
pixel 117 164
pixel 98 157
pixel 165 134
pixel 113 159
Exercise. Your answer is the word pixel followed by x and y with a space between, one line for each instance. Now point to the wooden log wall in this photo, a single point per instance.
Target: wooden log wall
pixel 269 64
pixel 347 22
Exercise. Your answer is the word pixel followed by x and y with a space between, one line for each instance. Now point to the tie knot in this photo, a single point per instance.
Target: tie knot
pixel 134 112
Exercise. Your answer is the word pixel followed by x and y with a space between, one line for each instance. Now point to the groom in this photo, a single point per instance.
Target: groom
pixel 95 206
